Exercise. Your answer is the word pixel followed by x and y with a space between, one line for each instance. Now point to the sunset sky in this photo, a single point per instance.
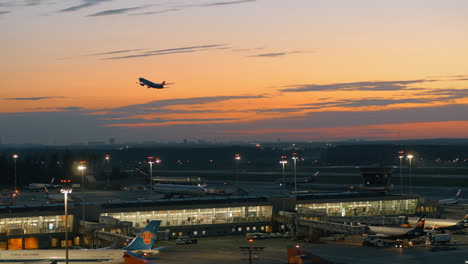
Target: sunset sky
pixel 248 70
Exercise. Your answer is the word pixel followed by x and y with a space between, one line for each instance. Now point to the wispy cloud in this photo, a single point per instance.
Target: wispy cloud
pixel 67 108
pixel 155 12
pixel 84 4
pixel 160 52
pixel 114 52
pixel 33 98
pixel 4 12
pixel 355 86
pixel 228 3
pixel 276 54
pixel 114 11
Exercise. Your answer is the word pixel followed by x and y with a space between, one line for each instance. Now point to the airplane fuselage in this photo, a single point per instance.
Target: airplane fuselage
pixel 76 256
pixel 151 84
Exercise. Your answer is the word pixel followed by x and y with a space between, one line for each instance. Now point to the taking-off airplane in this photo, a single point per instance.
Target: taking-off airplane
pixel 151 84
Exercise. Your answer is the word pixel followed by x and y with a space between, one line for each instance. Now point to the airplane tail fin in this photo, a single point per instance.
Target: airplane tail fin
pixel 145 239
pixel 317 174
pixel 458 194
pixel 163 83
pixel 420 224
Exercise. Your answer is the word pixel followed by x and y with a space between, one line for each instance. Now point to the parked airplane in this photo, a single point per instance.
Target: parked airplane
pixel 300 180
pixel 151 84
pixel 41 186
pixel 396 233
pixel 443 224
pixel 171 189
pixel 454 200
pixel 60 198
pixel 141 244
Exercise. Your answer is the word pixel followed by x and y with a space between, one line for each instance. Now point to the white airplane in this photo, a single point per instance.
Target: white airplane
pixel 171 189
pixel 299 180
pixel 60 198
pixel 40 186
pixel 396 233
pixel 151 84
pixel 443 224
pixel 454 200
pixel 141 244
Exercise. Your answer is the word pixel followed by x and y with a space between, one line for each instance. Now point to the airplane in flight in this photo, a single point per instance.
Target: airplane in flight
pixel 454 200
pixel 151 84
pixel 377 234
pixel 141 244
pixel 299 180
pixel 41 186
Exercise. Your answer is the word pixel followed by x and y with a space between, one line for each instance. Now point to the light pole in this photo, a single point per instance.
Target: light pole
pixel 401 174
pixel 295 176
pixel 65 192
pixel 108 170
pixel 237 158
pixel 151 176
pixel 82 168
pixel 410 157
pixel 15 156
pixel 283 162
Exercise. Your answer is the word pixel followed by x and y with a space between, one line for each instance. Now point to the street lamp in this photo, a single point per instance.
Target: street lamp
pixel 65 192
pixel 295 176
pixel 237 158
pixel 283 162
pixel 108 170
pixel 410 157
pixel 150 162
pixel 15 156
pixel 401 174
pixel 82 168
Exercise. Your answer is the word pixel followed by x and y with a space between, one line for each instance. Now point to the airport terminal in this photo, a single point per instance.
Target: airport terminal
pixel 101 223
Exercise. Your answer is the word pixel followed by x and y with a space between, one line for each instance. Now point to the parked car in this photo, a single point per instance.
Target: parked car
pixel 183 240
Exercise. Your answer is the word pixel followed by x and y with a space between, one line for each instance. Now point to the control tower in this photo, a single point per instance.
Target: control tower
pixel 376 179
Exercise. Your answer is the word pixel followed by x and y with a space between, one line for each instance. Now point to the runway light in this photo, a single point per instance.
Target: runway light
pixel 297 246
pixel 250 240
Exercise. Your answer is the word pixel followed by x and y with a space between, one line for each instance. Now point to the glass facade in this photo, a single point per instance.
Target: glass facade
pixel 357 208
pixel 202 216
pixel 34 224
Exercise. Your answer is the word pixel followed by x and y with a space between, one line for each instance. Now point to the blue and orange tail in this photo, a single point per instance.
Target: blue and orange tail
pixel 146 238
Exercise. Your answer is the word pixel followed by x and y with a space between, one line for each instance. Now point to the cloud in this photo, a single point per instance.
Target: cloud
pixel 156 12
pixel 160 52
pixel 33 98
pixel 114 52
pixel 4 12
pixel 447 94
pixel 67 108
pixel 85 4
pixel 355 86
pixel 270 54
pixel 167 106
pixel 277 54
pixel 115 11
pixel 228 3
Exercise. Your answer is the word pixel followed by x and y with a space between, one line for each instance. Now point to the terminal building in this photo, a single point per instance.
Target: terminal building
pixel 42 226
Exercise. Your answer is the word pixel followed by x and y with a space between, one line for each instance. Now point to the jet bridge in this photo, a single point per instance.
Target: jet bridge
pixel 332 227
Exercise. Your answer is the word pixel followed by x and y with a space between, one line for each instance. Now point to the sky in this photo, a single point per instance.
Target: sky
pixel 240 70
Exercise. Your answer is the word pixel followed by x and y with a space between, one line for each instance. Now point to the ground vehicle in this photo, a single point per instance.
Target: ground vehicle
pixel 183 240
pixel 372 241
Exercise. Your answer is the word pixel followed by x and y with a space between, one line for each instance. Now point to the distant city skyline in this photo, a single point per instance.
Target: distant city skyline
pixel 248 70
